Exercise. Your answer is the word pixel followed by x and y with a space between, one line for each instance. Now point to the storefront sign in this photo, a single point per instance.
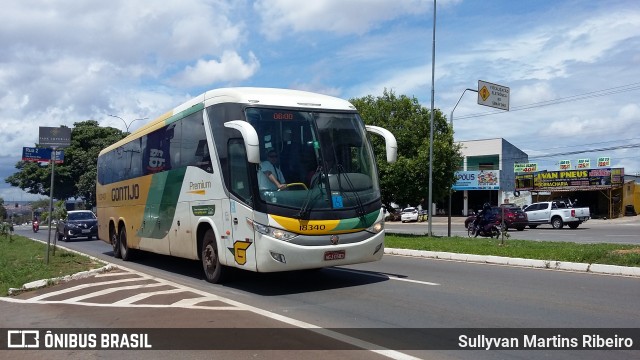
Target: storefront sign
pixel 568 179
pixel 565 164
pixel 584 163
pixel 477 180
pixel 604 161
pixel 525 167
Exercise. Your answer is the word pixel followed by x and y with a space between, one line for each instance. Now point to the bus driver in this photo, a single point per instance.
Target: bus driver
pixel 270 176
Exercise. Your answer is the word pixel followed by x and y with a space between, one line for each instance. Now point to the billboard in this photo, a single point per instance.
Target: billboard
pixel 477 180
pixel 604 161
pixel 565 164
pixel 54 136
pixel 584 163
pixel 525 167
pixel 582 179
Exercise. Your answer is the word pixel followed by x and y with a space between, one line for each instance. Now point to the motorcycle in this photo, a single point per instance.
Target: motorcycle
pixel 36 226
pixel 488 230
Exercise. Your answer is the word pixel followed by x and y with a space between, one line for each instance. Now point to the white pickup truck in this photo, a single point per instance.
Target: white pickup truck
pixel 556 213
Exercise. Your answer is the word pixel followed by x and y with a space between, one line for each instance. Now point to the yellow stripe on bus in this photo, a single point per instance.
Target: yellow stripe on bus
pixel 309 227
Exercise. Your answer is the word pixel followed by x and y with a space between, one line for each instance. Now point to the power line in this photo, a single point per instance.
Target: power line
pixel 628 146
pixel 589 95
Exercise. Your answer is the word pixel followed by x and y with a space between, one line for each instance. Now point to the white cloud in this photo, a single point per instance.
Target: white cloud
pixel 231 67
pixel 342 17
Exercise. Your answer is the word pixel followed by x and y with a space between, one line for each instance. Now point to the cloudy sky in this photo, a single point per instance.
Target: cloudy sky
pixel 573 67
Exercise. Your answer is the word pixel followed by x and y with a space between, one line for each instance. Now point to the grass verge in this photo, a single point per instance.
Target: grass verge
pixel 611 254
pixel 23 260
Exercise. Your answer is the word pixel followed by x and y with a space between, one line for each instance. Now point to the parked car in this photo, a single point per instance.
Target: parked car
pixel 409 214
pixel 78 224
pixel 514 217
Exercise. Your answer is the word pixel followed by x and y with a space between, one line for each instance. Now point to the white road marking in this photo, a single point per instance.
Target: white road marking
pixel 109 291
pixel 387 276
pixel 393 354
pixel 138 297
pixel 84 286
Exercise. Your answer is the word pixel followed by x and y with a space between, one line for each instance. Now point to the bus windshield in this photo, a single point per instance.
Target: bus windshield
pixel 320 159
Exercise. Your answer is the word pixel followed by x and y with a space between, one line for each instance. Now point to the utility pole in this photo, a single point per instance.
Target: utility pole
pixel 433 77
pixel 450 190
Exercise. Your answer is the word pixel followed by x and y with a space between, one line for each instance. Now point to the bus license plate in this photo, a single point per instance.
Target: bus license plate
pixel 334 255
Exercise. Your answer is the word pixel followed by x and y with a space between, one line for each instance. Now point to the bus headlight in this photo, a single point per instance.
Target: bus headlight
pixel 273 232
pixel 377 227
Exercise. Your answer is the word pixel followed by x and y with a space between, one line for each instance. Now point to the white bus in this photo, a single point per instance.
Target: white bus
pixel 194 183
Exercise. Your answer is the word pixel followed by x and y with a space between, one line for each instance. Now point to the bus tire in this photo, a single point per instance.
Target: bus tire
pixel 115 243
pixel 210 258
pixel 125 253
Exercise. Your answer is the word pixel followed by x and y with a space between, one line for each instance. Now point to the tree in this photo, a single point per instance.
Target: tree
pixel 3 211
pixel 406 182
pixel 76 177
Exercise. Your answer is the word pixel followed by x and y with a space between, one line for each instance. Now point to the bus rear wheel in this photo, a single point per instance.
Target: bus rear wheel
pixel 125 253
pixel 213 270
pixel 115 243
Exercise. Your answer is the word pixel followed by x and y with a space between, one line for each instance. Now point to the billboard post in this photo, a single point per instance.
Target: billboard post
pixel 54 138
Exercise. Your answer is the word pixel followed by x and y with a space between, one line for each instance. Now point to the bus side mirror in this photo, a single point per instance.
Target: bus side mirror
pixel 250 137
pixel 389 139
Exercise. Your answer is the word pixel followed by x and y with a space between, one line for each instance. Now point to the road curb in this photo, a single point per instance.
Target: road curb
pixel 532 263
pixel 46 282
pixel 80 275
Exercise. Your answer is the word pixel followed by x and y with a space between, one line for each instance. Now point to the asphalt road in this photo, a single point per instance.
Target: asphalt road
pixel 399 292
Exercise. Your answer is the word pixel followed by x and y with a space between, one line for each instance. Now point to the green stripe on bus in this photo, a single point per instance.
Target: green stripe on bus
pixel 161 203
pixel 359 222
pixel 184 113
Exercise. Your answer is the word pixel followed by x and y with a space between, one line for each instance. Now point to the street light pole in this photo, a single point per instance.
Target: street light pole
pixel 125 123
pixel 451 124
pixel 433 80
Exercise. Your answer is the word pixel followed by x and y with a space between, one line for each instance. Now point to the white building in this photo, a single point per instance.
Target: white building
pixel 487 175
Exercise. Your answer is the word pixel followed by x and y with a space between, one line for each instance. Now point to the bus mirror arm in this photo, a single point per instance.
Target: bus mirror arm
pixel 390 141
pixel 250 137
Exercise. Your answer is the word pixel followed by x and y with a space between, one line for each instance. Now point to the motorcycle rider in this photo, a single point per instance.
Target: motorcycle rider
pixel 35 224
pixel 484 217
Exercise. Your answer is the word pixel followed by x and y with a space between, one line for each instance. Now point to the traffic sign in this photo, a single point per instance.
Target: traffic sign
pixel 493 95
pixel 41 155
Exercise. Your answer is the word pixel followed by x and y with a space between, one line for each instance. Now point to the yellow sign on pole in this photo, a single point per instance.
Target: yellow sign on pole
pixel 493 95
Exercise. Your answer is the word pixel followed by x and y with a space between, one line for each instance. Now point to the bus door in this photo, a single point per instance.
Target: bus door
pixel 239 242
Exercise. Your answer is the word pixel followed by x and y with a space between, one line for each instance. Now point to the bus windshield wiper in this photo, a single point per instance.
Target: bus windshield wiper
pixel 305 209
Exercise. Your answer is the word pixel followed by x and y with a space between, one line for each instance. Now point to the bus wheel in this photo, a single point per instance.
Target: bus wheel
pixel 125 252
pixel 210 260
pixel 115 243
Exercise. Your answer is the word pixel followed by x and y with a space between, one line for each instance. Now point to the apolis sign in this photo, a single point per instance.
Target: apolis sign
pixel 493 95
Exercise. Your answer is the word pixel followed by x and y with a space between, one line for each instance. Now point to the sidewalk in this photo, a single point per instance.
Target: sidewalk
pixel 443 220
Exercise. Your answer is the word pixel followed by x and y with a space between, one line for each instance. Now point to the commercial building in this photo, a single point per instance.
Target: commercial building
pixel 488 174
